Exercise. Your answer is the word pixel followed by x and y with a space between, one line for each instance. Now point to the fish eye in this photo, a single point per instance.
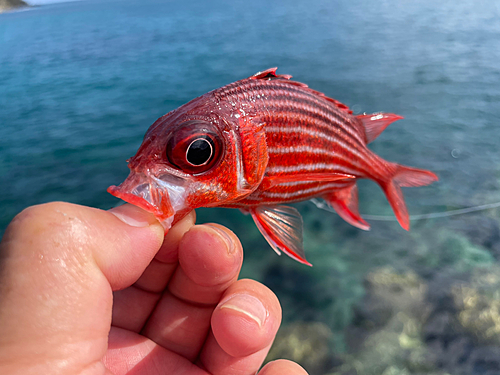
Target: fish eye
pixel 199 151
pixel 194 147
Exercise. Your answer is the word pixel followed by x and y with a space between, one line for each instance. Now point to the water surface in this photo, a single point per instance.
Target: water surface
pixel 81 82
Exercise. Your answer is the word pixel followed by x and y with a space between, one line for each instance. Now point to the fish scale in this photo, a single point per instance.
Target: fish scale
pixel 262 142
pixel 289 106
pixel 288 98
pixel 339 140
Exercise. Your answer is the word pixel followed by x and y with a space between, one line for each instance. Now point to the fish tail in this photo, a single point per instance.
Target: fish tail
pixel 405 177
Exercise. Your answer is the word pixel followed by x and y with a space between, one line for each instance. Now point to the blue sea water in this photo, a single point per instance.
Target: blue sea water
pixel 80 83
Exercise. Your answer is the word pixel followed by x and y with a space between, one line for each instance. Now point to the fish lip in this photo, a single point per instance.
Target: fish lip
pixel 143 191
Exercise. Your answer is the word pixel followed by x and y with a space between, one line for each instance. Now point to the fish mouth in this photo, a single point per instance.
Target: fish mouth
pixel 149 193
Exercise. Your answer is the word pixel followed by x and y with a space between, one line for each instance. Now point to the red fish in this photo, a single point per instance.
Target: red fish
pixel 256 144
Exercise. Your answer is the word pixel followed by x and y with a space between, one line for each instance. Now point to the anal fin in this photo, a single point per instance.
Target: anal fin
pixel 281 226
pixel 345 203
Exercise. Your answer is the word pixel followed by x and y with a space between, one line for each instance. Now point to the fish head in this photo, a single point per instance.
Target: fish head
pixel 199 155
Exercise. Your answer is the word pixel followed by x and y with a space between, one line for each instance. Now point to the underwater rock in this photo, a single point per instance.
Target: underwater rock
pixel 385 337
pixel 307 343
pixel 418 321
pixel 478 306
pixel 389 293
pixel 6 5
pixel 408 325
pixel 464 324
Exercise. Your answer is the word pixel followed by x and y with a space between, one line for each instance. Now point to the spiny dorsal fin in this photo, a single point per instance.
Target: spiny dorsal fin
pixel 270 74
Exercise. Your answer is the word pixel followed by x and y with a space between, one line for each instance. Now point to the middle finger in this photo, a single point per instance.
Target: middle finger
pixel 210 258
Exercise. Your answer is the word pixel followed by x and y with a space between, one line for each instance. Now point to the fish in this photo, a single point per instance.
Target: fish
pixel 257 145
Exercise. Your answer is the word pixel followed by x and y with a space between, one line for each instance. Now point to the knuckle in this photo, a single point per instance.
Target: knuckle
pixel 37 219
pixel 51 228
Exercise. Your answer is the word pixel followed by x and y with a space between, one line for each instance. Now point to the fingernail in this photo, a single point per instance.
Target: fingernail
pixel 248 305
pixel 133 216
pixel 223 236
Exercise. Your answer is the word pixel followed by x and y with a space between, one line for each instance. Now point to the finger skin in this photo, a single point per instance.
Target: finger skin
pixel 247 309
pixel 208 255
pixel 133 354
pixel 244 325
pixel 159 272
pixel 169 251
pixel 133 306
pixel 282 366
pixel 206 268
pixel 60 263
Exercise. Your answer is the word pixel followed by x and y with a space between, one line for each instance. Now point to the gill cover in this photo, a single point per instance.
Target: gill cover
pixel 254 157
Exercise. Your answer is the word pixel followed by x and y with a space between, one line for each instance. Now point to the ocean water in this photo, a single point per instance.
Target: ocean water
pixel 81 82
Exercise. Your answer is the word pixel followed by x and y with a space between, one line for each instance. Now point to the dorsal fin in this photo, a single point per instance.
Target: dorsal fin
pixel 270 74
pixel 376 123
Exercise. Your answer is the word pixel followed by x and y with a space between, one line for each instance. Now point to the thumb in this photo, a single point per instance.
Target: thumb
pixel 60 263
pixel 143 236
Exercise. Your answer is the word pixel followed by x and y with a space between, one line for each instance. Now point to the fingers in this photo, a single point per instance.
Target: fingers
pixel 133 306
pixel 244 325
pixel 210 258
pixel 125 266
pixel 159 272
pixel 247 309
pixel 130 353
pixel 281 367
pixel 60 263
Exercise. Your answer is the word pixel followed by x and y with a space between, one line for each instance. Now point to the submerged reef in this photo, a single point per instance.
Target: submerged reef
pixel 478 306
pixel 308 343
pixel 408 325
pixel 6 5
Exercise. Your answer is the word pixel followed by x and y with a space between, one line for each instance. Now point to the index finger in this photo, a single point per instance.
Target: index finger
pixel 133 306
pixel 157 275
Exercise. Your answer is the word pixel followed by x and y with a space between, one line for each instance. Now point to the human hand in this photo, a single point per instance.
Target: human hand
pixel 85 291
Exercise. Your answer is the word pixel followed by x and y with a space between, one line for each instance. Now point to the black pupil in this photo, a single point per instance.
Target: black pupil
pixel 199 152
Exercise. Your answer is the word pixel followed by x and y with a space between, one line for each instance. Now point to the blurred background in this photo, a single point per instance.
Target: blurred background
pixel 80 83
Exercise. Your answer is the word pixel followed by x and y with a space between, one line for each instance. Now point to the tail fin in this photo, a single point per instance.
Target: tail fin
pixel 405 177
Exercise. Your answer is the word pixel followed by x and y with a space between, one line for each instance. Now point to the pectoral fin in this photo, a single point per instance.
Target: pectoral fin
pixel 281 226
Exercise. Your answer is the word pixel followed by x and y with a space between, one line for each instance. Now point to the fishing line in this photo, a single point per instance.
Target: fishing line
pixel 324 206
